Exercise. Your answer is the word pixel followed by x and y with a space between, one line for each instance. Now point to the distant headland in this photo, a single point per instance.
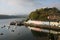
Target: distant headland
pixel 12 16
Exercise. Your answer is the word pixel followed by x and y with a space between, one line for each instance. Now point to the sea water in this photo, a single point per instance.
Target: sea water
pixel 8 32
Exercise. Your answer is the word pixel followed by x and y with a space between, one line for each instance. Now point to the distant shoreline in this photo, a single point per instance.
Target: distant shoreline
pixel 12 16
pixel 9 18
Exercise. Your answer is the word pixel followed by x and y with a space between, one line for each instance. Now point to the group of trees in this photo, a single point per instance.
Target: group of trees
pixel 43 13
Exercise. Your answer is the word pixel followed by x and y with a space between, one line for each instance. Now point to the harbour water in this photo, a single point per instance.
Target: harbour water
pixel 14 32
pixel 11 32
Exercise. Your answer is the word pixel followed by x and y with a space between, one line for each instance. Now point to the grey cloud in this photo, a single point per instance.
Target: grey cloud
pixel 22 6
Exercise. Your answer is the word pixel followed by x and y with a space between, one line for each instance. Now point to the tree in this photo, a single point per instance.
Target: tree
pixel 33 15
pixel 43 13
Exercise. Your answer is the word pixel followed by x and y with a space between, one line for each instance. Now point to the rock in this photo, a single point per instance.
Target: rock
pixel 17 23
pixel 3 26
pixel 1 33
pixel 12 30
pixel 12 23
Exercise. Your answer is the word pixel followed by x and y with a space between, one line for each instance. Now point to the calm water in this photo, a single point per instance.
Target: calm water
pixel 14 32
pixel 19 32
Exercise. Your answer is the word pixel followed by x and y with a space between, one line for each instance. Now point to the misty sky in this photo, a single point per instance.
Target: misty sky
pixel 15 7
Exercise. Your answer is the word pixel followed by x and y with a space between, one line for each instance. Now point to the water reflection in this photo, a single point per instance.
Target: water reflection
pixel 20 32
pixel 15 33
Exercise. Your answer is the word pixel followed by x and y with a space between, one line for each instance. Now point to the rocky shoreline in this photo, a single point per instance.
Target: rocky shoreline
pixel 17 23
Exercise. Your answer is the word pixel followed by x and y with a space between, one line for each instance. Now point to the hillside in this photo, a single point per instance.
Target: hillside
pixel 12 16
pixel 45 14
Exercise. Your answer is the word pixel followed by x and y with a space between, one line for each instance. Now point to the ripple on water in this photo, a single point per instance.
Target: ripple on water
pixel 16 33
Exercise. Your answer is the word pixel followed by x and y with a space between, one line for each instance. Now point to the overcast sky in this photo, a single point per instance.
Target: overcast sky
pixel 15 7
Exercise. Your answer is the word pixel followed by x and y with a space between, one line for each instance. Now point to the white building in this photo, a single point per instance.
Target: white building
pixel 43 23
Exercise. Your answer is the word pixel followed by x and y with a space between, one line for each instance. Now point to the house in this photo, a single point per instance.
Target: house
pixel 44 26
pixel 51 23
pixel 54 17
